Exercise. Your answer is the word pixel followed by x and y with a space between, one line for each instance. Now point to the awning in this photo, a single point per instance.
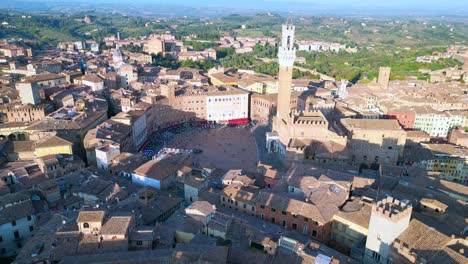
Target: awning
pixel 239 121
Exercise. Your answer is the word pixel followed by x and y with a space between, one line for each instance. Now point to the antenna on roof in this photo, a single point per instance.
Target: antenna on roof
pixel 289 21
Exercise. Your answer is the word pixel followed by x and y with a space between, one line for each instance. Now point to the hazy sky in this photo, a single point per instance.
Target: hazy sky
pixel 437 6
pixel 378 7
pixel 371 3
pixel 262 3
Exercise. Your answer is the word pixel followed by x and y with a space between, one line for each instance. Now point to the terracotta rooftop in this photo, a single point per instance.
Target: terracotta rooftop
pixel 417 134
pixel 42 77
pixel 447 150
pixel 225 91
pixel 159 256
pixel 370 124
pixel 160 169
pixel 293 206
pixel 269 97
pixel 194 181
pixel 356 212
pixel 53 141
pixel 423 241
pixel 117 225
pixel 91 216
pixel 433 204
pixel 245 195
pixel 92 78
pixel 202 206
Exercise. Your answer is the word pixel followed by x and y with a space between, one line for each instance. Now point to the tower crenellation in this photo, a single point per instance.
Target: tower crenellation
pixel 394 215
pixel 392 208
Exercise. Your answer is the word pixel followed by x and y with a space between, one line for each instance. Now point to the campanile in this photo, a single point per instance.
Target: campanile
pixel 286 57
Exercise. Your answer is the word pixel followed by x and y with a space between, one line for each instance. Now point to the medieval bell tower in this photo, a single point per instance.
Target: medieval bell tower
pixel 286 57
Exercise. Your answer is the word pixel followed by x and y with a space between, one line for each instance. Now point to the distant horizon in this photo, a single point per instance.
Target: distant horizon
pixel 410 8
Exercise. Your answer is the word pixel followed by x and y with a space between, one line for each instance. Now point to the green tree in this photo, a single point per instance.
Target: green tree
pixel 298 74
pixel 224 52
pixel 199 46
pixel 164 60
pixel 270 68
pixel 266 51
pixel 200 64
pixel 243 61
pixel 133 48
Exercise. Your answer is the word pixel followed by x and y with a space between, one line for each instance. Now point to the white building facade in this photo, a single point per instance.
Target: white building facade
pixel 105 154
pixel 96 86
pixel 222 107
pixel 438 124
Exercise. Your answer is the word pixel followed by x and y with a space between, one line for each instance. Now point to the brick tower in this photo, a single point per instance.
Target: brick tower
pixel 384 77
pixel 286 57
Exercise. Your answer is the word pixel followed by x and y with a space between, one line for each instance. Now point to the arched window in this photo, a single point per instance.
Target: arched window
pixel 85 225
pixel 289 41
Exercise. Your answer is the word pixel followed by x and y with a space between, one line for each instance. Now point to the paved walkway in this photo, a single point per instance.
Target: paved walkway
pixel 226 147
pixel 272 159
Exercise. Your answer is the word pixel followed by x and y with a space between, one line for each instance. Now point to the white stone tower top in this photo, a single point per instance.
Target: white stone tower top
pixel 117 57
pixel 392 209
pixel 389 218
pixel 287 52
pixel 343 90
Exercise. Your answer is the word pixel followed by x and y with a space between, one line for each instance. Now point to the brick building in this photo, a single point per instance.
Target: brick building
pixel 263 106
pixel 293 214
pixel 458 137
pixel 26 113
pixel 374 140
pixel 405 116
pixel 240 198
